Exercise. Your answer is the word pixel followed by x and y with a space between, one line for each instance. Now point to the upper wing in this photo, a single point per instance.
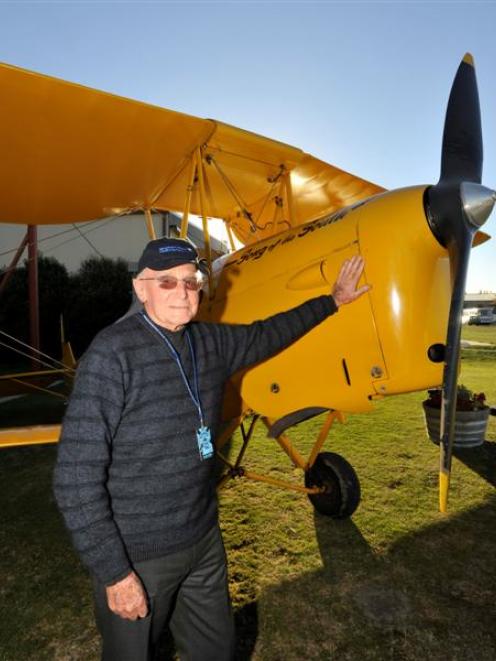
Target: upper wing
pixel 71 153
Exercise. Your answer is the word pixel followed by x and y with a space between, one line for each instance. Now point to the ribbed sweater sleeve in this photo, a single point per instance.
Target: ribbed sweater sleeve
pixel 246 344
pixel 83 460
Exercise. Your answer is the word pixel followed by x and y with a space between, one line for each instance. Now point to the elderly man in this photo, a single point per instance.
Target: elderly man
pixel 134 478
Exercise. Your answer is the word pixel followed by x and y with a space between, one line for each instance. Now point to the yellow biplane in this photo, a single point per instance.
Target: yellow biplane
pixel 73 154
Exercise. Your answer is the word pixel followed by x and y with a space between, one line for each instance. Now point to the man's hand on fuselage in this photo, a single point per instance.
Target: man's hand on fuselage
pixel 345 288
pixel 127 598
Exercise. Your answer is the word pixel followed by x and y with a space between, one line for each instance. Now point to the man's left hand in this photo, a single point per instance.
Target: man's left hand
pixel 345 288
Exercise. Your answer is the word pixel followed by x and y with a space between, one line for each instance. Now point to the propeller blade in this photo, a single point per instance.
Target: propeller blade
pixel 459 258
pixel 457 206
pixel 475 204
pixel 462 139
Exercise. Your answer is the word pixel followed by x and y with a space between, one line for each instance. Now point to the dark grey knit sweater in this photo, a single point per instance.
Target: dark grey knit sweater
pixel 129 479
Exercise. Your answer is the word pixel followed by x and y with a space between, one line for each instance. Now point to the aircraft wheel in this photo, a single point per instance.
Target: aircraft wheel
pixel 342 488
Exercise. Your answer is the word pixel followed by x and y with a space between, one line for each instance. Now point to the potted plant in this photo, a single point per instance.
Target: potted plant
pixel 472 414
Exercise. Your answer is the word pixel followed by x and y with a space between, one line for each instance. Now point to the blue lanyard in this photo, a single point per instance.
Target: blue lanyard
pixel 195 396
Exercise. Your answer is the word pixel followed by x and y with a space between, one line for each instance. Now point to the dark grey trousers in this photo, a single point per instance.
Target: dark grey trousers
pixel 187 590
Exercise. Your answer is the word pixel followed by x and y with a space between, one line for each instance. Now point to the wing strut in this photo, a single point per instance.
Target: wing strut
pixel 187 202
pixel 149 224
pixel 289 198
pixel 33 293
pixel 7 273
pixel 230 235
pixel 203 210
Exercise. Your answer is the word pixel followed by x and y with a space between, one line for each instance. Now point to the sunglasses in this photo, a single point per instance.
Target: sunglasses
pixel 193 283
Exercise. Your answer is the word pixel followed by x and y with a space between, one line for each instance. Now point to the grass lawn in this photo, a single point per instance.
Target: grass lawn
pixel 484 334
pixel 397 582
pixel 479 333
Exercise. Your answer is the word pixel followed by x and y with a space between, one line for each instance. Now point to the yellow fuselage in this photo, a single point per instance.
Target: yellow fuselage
pixel 374 347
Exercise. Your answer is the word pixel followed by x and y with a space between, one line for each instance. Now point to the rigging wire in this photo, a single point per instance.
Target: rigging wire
pixel 83 236
pixel 52 236
pixel 94 226
pixel 239 200
pixel 26 384
pixel 237 197
pixel 105 222
pixel 31 357
pixel 279 204
pixel 28 346
pixel 262 209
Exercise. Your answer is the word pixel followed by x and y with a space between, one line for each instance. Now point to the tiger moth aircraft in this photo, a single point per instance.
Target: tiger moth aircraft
pixel 73 154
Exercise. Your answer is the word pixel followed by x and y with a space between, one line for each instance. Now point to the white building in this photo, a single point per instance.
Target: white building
pixel 117 236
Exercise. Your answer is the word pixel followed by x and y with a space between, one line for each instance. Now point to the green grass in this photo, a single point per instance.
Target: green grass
pixel 397 582
pixel 485 334
pixel 479 333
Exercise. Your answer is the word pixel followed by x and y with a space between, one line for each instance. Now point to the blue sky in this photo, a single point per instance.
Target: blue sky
pixel 362 85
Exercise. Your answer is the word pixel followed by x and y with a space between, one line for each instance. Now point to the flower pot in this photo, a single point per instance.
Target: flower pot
pixel 470 426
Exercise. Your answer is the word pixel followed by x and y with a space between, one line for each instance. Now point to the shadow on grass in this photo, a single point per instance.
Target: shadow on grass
pixel 430 594
pixel 246 623
pixel 481 460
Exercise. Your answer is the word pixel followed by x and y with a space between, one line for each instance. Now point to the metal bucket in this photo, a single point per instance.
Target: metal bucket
pixel 470 426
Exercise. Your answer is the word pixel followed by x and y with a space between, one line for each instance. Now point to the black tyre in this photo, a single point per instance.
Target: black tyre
pixel 342 488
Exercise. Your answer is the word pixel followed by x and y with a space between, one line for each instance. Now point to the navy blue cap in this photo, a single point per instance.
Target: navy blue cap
pixel 165 253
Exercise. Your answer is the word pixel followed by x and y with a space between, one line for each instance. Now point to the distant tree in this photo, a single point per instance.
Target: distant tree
pixel 94 297
pixel 53 287
pixel 100 293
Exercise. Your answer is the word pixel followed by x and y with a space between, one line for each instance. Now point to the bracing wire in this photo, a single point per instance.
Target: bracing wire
pixel 26 384
pixel 83 236
pixel 46 238
pixel 237 197
pixel 267 198
pixel 239 200
pixel 95 226
pixel 55 363
pixel 92 229
pixel 27 355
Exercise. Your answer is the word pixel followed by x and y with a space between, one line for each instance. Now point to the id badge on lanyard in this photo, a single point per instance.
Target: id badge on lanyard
pixel 204 439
